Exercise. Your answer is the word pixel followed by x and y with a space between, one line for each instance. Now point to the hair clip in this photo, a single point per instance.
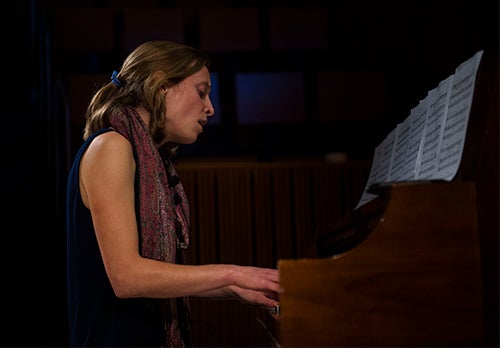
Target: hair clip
pixel 115 79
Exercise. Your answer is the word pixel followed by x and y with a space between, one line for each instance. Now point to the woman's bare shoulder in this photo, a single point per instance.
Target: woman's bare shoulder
pixel 108 149
pixel 111 140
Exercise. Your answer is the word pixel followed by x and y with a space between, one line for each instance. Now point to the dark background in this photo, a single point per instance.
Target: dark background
pixel 381 57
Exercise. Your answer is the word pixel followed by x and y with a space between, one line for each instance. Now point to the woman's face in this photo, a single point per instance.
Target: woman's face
pixel 188 107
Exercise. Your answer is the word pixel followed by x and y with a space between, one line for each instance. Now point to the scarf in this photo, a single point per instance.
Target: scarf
pixel 163 214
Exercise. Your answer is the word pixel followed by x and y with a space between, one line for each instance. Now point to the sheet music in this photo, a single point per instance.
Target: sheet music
pixel 455 127
pixel 401 142
pixel 428 144
pixel 417 119
pixel 373 176
pixel 379 171
pixel 438 99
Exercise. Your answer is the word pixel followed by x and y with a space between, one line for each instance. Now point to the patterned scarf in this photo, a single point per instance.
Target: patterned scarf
pixel 163 212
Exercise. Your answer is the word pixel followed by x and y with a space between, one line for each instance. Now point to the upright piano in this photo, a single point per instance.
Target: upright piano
pixel 416 266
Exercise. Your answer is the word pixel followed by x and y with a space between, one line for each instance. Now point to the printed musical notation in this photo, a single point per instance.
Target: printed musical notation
pixel 428 144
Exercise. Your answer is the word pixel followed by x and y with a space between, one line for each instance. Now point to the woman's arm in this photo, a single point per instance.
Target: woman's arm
pixel 107 184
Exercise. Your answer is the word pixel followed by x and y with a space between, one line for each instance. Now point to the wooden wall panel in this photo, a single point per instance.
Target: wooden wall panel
pixel 263 213
pixel 142 23
pixel 327 188
pixel 302 207
pixel 283 224
pixel 234 214
pixel 298 27
pixel 243 35
pixel 204 210
pixel 84 28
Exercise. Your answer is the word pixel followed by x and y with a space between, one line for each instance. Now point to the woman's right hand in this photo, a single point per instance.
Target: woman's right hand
pixel 257 285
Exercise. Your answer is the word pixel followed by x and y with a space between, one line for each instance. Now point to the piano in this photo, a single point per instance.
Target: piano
pixel 416 266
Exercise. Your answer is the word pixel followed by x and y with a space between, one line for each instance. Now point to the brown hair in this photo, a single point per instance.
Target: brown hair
pixel 145 71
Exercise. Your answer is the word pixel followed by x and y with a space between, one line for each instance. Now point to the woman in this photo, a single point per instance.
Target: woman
pixel 127 213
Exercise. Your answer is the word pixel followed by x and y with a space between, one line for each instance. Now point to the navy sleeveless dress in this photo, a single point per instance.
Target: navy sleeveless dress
pixel 96 316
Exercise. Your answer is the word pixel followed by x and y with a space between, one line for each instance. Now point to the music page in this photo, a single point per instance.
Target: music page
pixel 381 163
pixel 417 119
pixel 428 145
pixel 399 150
pixel 438 106
pixel 455 126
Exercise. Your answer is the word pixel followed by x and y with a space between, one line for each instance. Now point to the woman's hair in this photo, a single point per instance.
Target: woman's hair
pixel 146 70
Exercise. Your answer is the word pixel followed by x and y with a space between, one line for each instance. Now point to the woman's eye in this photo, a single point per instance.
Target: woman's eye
pixel 202 94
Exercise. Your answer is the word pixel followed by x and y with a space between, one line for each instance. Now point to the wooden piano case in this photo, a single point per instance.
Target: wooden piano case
pixel 414 280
